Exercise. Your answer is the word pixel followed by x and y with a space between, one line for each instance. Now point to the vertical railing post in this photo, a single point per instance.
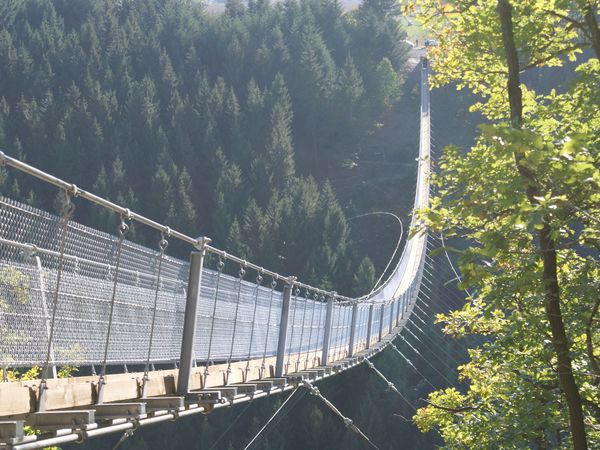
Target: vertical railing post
pixel 381 322
pixel 191 315
pixel 327 332
pixel 40 272
pixel 392 317
pixel 352 330
pixel 398 309
pixel 369 327
pixel 283 326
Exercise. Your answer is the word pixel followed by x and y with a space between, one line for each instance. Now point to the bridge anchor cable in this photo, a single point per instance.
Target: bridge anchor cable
pixel 275 414
pixel 347 421
pixel 391 385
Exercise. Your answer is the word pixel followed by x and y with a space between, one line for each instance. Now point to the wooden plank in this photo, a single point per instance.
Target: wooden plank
pixel 70 394
pixel 160 384
pixel 15 399
pixel 118 388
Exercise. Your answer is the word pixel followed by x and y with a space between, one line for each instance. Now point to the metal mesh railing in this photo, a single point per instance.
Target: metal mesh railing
pixel 29 262
pixel 238 317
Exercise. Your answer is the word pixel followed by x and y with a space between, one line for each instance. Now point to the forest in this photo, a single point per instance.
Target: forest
pixel 268 127
pixel 224 126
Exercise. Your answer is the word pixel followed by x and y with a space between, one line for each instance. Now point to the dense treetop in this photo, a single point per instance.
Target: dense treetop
pixel 218 125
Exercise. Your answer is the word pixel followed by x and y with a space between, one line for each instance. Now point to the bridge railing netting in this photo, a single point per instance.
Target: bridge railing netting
pixel 29 264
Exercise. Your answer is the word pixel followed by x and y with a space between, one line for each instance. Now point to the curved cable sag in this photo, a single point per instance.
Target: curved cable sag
pixel 407 269
pixel 384 213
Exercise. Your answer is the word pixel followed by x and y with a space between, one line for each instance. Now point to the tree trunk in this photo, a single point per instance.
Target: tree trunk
pixel 546 243
pixel 594 31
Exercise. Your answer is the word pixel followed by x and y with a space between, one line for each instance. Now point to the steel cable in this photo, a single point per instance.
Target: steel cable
pixel 259 434
pixel 262 367
pixel 259 280
pixel 162 245
pixel 68 210
pixel 123 228
pixel 347 422
pixel 220 266
pixel 241 274
pixel 425 359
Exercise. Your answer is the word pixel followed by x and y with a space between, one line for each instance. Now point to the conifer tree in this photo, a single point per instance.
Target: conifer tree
pixel 280 151
pixel 364 278
pixel 234 8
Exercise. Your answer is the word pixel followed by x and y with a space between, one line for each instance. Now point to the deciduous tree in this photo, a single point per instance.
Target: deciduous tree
pixel 524 196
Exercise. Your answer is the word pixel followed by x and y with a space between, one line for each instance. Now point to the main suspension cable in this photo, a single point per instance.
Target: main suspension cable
pixel 384 213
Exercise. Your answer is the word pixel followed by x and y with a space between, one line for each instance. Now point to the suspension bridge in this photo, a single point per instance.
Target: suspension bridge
pixel 159 338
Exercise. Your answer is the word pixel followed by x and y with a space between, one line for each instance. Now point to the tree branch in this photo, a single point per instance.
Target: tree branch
pixel 572 21
pixel 539 61
pixel 451 410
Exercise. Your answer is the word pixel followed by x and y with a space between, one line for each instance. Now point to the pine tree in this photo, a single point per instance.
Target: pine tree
pixel 348 107
pixel 280 150
pixel 234 8
pixel 383 8
pixel 235 241
pixel 8 11
pixel 387 86
pixel 185 213
pixel 226 196
pixel 364 278
pixel 253 230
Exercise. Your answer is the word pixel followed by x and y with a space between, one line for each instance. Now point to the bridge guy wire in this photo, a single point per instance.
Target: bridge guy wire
pixel 277 413
pixel 390 385
pixel 347 422
pixel 410 363
pixel 433 343
pixel 456 355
